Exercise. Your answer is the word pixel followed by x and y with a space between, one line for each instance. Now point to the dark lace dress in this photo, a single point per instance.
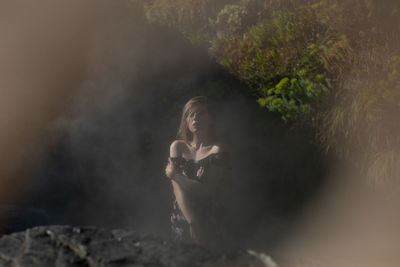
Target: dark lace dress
pixel 211 208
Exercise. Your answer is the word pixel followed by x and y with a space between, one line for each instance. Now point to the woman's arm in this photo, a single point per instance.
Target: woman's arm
pixel 183 204
pixel 183 186
pixel 186 184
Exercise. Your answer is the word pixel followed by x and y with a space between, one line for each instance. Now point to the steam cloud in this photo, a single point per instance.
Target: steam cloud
pixel 91 98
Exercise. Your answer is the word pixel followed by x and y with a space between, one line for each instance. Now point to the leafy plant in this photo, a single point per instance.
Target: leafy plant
pixel 327 63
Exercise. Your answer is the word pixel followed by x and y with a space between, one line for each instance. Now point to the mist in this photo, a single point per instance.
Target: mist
pixel 92 98
pixel 97 108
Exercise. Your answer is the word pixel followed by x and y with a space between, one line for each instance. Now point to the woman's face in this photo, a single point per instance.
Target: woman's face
pixel 198 119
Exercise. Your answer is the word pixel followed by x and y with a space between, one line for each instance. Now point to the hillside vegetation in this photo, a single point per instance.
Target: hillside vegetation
pixel 333 65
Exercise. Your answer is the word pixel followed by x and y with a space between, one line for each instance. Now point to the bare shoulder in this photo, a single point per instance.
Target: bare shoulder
pixel 176 148
pixel 219 148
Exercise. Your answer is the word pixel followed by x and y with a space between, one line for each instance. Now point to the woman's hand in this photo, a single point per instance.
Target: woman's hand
pixel 170 170
pixel 186 184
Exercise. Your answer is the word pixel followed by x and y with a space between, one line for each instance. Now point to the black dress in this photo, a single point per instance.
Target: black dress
pixel 210 209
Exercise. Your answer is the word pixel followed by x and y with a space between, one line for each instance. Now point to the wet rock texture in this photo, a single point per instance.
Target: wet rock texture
pixel 65 246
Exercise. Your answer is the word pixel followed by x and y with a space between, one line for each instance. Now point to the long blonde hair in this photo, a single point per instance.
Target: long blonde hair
pixel 183 132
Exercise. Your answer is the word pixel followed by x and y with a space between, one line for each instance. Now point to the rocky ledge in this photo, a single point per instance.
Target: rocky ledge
pixel 65 246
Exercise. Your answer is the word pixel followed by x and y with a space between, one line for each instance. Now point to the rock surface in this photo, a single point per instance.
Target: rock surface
pixel 65 246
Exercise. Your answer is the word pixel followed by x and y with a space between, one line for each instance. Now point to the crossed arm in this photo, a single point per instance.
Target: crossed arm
pixel 191 186
pixel 188 185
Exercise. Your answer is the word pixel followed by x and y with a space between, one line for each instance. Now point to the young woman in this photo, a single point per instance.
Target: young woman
pixel 196 166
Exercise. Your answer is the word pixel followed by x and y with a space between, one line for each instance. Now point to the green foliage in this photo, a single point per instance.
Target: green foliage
pixel 229 20
pixel 332 64
pixel 190 17
pixel 291 96
pixel 362 124
pixel 286 61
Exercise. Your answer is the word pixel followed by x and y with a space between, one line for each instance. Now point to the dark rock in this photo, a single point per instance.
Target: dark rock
pixel 88 246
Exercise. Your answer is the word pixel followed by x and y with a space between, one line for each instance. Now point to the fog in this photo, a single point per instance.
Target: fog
pixel 91 100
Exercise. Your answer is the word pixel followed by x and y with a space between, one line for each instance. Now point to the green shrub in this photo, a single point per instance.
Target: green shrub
pixel 332 64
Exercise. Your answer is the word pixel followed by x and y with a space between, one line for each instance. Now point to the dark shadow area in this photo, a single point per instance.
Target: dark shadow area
pixel 105 165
